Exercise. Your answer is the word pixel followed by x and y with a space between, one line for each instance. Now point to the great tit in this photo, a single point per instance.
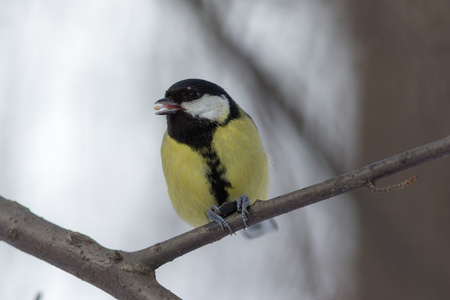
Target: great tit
pixel 211 153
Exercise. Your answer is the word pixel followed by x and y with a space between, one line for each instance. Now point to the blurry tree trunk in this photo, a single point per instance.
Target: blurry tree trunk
pixel 403 66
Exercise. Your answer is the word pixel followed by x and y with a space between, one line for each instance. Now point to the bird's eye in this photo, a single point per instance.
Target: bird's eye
pixel 194 95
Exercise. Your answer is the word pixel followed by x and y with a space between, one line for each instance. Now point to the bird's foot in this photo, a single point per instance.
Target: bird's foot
pixel 242 202
pixel 214 214
pixel 217 214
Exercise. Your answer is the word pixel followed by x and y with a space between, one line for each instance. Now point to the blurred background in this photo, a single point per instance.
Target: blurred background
pixel 332 86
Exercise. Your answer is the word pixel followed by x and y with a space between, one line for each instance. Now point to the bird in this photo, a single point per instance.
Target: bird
pixel 211 153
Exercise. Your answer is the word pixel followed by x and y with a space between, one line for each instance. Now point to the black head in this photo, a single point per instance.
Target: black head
pixel 194 109
pixel 193 89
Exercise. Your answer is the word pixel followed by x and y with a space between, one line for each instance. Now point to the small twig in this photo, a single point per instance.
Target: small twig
pixel 371 186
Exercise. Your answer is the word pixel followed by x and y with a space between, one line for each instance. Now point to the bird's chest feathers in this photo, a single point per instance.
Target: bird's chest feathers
pixel 232 164
pixel 198 173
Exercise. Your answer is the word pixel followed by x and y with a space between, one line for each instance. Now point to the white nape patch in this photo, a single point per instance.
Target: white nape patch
pixel 211 107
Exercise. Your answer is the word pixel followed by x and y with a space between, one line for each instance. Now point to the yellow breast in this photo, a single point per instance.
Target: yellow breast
pixel 240 151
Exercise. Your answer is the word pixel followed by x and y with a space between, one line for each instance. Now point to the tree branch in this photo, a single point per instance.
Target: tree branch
pixel 131 275
pixel 115 272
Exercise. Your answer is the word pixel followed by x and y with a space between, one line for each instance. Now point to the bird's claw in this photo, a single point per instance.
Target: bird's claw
pixel 214 214
pixel 242 203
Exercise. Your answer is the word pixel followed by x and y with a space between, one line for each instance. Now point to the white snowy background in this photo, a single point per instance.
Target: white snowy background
pixel 79 141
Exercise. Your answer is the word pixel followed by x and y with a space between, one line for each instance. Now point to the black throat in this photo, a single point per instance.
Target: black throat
pixel 196 133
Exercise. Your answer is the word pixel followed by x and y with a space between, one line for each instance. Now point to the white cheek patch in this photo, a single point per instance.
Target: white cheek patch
pixel 215 108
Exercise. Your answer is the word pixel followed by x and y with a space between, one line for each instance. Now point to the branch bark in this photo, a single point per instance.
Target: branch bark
pixel 131 275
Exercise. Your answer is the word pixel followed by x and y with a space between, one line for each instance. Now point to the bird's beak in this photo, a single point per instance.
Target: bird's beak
pixel 166 106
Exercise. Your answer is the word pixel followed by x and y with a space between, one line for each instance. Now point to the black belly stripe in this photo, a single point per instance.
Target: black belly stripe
pixel 216 175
